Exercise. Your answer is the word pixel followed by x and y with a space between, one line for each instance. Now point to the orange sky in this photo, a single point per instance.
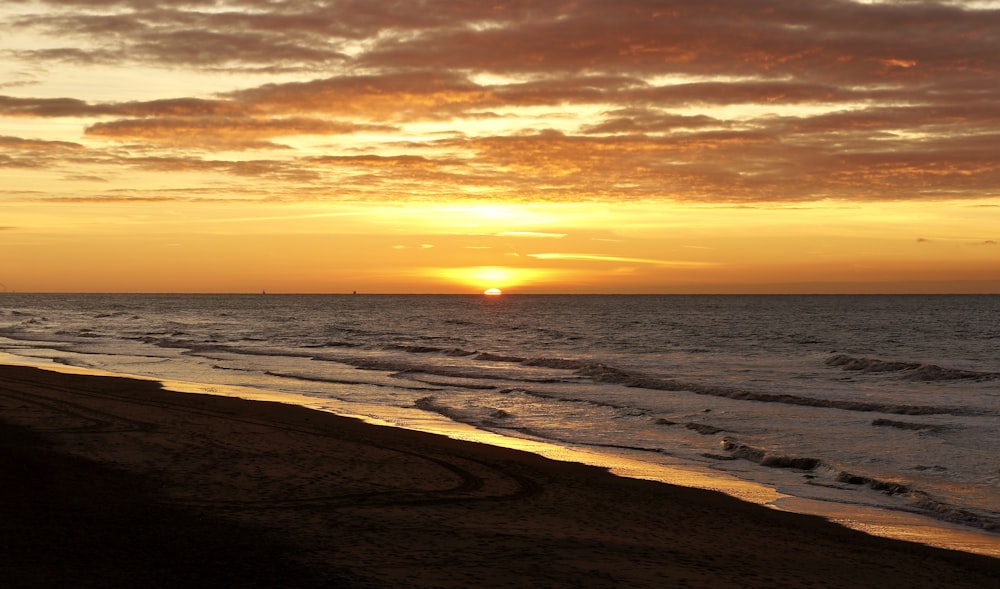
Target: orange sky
pixel 450 146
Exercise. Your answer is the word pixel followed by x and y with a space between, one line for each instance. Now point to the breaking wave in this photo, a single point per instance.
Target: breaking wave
pixel 765 458
pixel 905 425
pixel 910 370
pixel 918 500
pixel 602 373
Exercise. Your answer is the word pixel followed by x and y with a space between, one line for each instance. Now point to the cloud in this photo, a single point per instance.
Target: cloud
pixel 394 96
pixel 18 83
pixel 253 168
pixel 830 41
pixel 225 38
pixel 21 144
pixel 73 107
pixel 650 121
pixel 818 41
pixel 378 161
pixel 85 178
pixel 534 234
pixel 719 100
pixel 228 132
pixel 34 153
pixel 617 259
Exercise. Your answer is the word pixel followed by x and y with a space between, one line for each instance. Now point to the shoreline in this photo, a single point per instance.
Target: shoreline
pixel 350 504
pixel 906 525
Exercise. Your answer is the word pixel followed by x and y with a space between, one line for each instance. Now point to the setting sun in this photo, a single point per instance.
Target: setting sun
pixel 492 292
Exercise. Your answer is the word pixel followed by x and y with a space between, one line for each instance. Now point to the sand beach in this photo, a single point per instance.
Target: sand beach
pixel 115 482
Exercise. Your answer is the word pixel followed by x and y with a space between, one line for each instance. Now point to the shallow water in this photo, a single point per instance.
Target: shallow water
pixel 845 405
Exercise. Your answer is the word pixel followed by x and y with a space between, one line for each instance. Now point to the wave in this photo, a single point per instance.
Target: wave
pixel 117 315
pixel 560 364
pixel 416 349
pixel 924 502
pixel 207 349
pixel 486 356
pixel 919 501
pixel 333 344
pixel 594 371
pixel 328 380
pixel 815 469
pixel 482 417
pixel 624 409
pixel 32 321
pixel 602 373
pixel 702 428
pixel 905 425
pixel 463 372
pixel 955 514
pixel 429 404
pixel 768 459
pixel 916 371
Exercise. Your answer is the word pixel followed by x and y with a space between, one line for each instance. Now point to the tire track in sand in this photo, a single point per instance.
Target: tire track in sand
pixel 475 480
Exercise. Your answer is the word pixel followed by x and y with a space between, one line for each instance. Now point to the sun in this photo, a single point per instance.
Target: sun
pixel 492 292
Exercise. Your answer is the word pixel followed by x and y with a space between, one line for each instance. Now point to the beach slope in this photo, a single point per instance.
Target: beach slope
pixel 114 482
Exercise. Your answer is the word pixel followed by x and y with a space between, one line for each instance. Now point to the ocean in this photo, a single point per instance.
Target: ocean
pixel 880 412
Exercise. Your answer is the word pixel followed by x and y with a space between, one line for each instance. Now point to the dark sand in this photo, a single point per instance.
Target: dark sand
pixel 112 482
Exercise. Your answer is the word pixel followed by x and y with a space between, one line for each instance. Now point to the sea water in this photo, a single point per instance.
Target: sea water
pixel 871 410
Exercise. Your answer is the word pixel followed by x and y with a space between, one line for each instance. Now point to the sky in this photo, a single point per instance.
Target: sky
pixel 409 146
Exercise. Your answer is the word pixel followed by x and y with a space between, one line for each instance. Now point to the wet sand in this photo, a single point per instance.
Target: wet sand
pixel 113 482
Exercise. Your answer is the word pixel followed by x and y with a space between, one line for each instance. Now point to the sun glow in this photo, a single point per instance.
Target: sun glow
pixel 499 278
pixel 493 292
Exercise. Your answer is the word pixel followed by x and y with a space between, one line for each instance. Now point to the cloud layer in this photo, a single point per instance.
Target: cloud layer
pixel 637 100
